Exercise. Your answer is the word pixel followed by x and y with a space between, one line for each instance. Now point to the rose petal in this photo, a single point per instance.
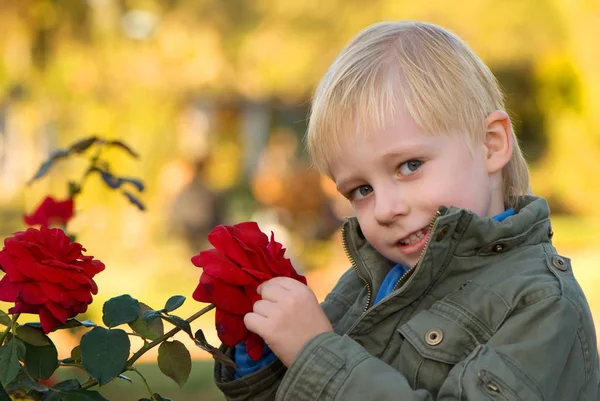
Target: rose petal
pixel 218 265
pixel 249 233
pixel 31 293
pixel 224 296
pixel 255 346
pixel 201 295
pixel 47 320
pixel 8 290
pixel 230 328
pixel 221 238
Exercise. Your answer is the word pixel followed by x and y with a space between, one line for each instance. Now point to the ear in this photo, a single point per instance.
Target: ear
pixel 498 142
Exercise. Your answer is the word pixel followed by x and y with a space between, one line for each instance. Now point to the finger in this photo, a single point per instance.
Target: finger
pixel 264 308
pixel 284 282
pixel 274 292
pixel 255 322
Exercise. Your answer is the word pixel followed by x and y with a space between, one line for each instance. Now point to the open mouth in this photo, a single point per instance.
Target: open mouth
pixel 414 237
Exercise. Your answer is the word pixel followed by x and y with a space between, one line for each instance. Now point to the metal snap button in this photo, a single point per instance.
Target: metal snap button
pixel 434 336
pixel 498 248
pixel 442 234
pixel 559 263
pixel 550 233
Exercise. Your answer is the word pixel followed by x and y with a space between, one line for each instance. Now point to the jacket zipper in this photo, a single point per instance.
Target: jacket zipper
pixel 408 274
pixel 355 267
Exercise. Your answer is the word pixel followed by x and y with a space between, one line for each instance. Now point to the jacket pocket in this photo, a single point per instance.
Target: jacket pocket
pixel 433 344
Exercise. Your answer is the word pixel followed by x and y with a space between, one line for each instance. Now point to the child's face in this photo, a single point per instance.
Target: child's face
pixel 397 178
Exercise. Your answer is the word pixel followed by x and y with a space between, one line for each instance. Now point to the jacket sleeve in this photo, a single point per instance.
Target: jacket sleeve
pixel 535 349
pixel 263 384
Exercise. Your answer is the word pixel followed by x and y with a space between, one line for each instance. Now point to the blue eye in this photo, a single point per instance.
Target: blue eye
pixel 361 192
pixel 409 167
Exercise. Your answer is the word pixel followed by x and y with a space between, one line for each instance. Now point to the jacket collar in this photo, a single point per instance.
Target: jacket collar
pixel 460 230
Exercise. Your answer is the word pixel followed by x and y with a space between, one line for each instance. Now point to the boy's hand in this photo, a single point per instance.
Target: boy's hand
pixel 287 317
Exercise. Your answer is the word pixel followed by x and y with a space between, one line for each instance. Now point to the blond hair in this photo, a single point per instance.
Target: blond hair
pixel 444 86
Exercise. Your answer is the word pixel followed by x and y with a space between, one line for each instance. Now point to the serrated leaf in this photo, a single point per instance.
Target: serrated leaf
pixel 179 322
pixel 5 319
pixel 41 362
pixel 32 335
pixel 82 395
pixel 175 361
pixel 83 144
pixel 174 302
pixel 10 354
pixel 104 353
pixel 123 146
pixel 151 330
pixel 134 200
pixel 120 310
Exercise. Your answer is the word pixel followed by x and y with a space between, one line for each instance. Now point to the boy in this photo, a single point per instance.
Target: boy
pixel 455 290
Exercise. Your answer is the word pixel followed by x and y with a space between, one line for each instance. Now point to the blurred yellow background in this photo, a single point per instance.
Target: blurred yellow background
pixel 213 95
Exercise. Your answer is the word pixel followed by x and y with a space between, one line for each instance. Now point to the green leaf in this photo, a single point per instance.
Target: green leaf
pixel 110 180
pixel 65 385
pixel 76 354
pixel 41 362
pixel 175 361
pixel 74 188
pixel 158 397
pixel 45 167
pixel 120 310
pixel 24 383
pixel 179 322
pixel 135 182
pixel 9 360
pixel 71 323
pixel 150 315
pixel 3 394
pixel 151 330
pixel 83 144
pixel 5 320
pixel 32 335
pixel 82 395
pixel 134 200
pixel 104 353
pixel 123 146
pixel 174 302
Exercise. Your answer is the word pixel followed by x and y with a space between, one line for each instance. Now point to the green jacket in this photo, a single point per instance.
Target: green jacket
pixel 491 312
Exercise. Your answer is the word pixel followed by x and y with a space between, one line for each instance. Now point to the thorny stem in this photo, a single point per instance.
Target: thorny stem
pixel 145 348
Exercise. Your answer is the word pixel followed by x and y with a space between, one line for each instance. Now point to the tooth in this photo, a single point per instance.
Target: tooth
pixel 420 234
pixel 413 237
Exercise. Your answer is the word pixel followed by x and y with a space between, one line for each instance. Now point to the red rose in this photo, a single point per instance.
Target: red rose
pixel 243 258
pixel 51 213
pixel 46 274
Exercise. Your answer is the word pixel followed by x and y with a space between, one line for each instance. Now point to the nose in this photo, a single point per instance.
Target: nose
pixel 388 206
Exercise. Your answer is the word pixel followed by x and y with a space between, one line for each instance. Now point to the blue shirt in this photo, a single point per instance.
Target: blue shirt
pixel 246 365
